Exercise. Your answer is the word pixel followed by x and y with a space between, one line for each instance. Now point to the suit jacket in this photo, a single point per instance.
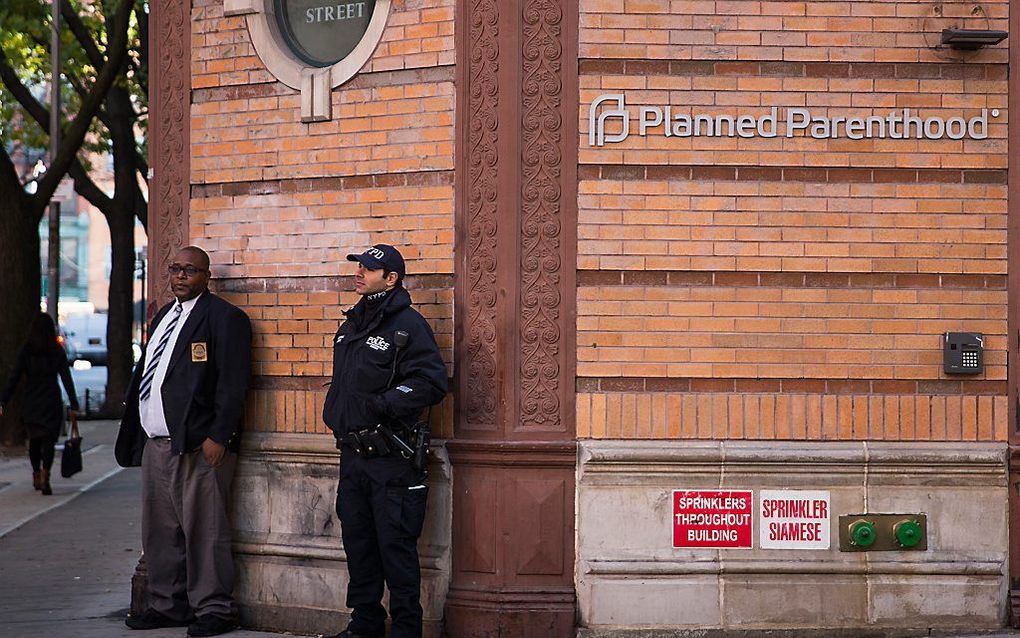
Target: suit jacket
pixel 205 384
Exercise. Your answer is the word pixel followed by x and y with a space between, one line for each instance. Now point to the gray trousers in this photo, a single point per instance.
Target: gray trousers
pixel 186 535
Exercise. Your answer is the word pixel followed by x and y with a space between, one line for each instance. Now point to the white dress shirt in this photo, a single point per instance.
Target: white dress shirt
pixel 151 409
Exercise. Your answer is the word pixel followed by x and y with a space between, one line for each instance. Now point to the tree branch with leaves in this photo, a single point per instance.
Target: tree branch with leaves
pixel 97 39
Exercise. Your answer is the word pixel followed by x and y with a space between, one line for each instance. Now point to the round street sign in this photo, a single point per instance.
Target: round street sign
pixel 323 32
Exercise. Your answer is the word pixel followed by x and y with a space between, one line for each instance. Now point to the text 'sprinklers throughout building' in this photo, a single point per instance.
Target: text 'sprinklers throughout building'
pixel 721 287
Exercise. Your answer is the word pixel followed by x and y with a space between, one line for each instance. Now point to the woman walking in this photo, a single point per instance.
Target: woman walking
pixel 40 361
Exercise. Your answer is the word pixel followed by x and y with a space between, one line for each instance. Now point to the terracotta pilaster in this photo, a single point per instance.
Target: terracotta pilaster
pixel 1013 357
pixel 169 180
pixel 514 448
pixel 169 141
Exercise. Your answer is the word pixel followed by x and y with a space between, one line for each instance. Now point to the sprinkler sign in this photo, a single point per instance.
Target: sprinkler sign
pixel 712 519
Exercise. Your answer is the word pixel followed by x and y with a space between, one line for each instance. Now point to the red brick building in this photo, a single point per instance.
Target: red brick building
pixel 747 288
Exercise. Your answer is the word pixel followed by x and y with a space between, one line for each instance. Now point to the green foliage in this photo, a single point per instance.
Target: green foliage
pixel 25 35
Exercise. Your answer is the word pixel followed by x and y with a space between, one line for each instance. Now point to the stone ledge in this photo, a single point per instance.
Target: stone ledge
pixel 773 633
pixel 653 569
pixel 430 559
pixel 319 449
pixel 906 463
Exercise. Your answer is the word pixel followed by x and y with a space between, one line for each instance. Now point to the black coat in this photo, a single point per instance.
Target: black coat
pixel 205 384
pixel 363 359
pixel 43 408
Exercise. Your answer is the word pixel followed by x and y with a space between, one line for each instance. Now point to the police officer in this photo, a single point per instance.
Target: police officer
pixel 386 371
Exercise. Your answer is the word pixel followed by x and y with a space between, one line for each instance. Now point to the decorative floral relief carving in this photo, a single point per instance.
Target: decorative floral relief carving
pixel 541 159
pixel 483 156
pixel 168 216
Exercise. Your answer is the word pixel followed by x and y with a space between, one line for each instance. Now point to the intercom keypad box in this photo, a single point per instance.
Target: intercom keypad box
pixel 962 352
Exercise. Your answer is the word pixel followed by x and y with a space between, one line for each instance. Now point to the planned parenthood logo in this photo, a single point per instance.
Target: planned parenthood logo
pixel 597 125
pixel 609 121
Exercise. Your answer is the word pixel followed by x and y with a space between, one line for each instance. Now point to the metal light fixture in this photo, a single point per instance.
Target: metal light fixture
pixel 971 39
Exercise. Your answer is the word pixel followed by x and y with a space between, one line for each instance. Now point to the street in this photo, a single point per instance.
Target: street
pixel 91 380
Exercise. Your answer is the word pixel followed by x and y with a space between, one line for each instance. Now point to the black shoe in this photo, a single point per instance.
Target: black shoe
pixel 347 633
pixel 152 619
pixel 211 625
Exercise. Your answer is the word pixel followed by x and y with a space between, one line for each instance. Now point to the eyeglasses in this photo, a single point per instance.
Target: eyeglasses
pixel 189 271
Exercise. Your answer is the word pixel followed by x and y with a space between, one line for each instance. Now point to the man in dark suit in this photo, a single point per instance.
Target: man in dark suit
pixel 183 409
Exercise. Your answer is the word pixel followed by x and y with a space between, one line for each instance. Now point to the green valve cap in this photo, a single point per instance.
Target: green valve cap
pixel 908 533
pixel 862 533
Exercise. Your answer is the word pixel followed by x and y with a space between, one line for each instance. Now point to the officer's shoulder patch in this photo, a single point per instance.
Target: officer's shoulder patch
pixel 405 389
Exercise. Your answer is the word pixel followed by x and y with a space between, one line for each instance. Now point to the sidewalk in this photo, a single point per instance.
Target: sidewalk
pixel 19 503
pixel 66 560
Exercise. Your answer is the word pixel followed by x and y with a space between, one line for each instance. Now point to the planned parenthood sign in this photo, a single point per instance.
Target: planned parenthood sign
pixel 610 121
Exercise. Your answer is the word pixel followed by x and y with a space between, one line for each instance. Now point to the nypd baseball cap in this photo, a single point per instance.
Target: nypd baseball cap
pixel 380 256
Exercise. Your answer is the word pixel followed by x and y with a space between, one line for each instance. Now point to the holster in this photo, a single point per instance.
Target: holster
pixel 368 443
pixel 378 441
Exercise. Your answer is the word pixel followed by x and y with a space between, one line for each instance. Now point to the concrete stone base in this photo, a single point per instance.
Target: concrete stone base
pixel 292 573
pixel 140 588
pixel 775 633
pixel 630 579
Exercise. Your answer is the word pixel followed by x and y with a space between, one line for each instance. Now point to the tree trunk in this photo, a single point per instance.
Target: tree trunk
pixel 20 286
pixel 121 219
pixel 120 320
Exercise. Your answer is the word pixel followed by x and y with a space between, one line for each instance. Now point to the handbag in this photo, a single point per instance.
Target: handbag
pixel 70 458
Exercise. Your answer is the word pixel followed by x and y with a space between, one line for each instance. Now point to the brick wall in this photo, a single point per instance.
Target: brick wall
pixel 789 288
pixel 752 279
pixel 278 203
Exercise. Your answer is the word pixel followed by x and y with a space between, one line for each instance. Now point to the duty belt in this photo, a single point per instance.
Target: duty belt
pixel 381 441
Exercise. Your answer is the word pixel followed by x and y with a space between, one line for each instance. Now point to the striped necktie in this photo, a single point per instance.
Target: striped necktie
pixel 150 366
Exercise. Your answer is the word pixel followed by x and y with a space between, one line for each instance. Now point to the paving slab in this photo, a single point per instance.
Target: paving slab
pixel 20 503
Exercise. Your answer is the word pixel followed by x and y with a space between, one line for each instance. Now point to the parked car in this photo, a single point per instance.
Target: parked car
pixel 85 338
pixel 62 340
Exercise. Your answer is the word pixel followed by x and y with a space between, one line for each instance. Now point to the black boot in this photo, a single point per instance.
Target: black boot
pixel 347 633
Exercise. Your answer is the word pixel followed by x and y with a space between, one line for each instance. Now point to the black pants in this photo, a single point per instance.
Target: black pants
pixel 381 505
pixel 40 452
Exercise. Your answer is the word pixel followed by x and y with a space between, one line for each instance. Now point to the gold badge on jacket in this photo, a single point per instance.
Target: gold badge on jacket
pixel 199 352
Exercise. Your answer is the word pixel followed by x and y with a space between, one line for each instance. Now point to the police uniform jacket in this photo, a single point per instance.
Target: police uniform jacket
pixel 365 350
pixel 205 384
